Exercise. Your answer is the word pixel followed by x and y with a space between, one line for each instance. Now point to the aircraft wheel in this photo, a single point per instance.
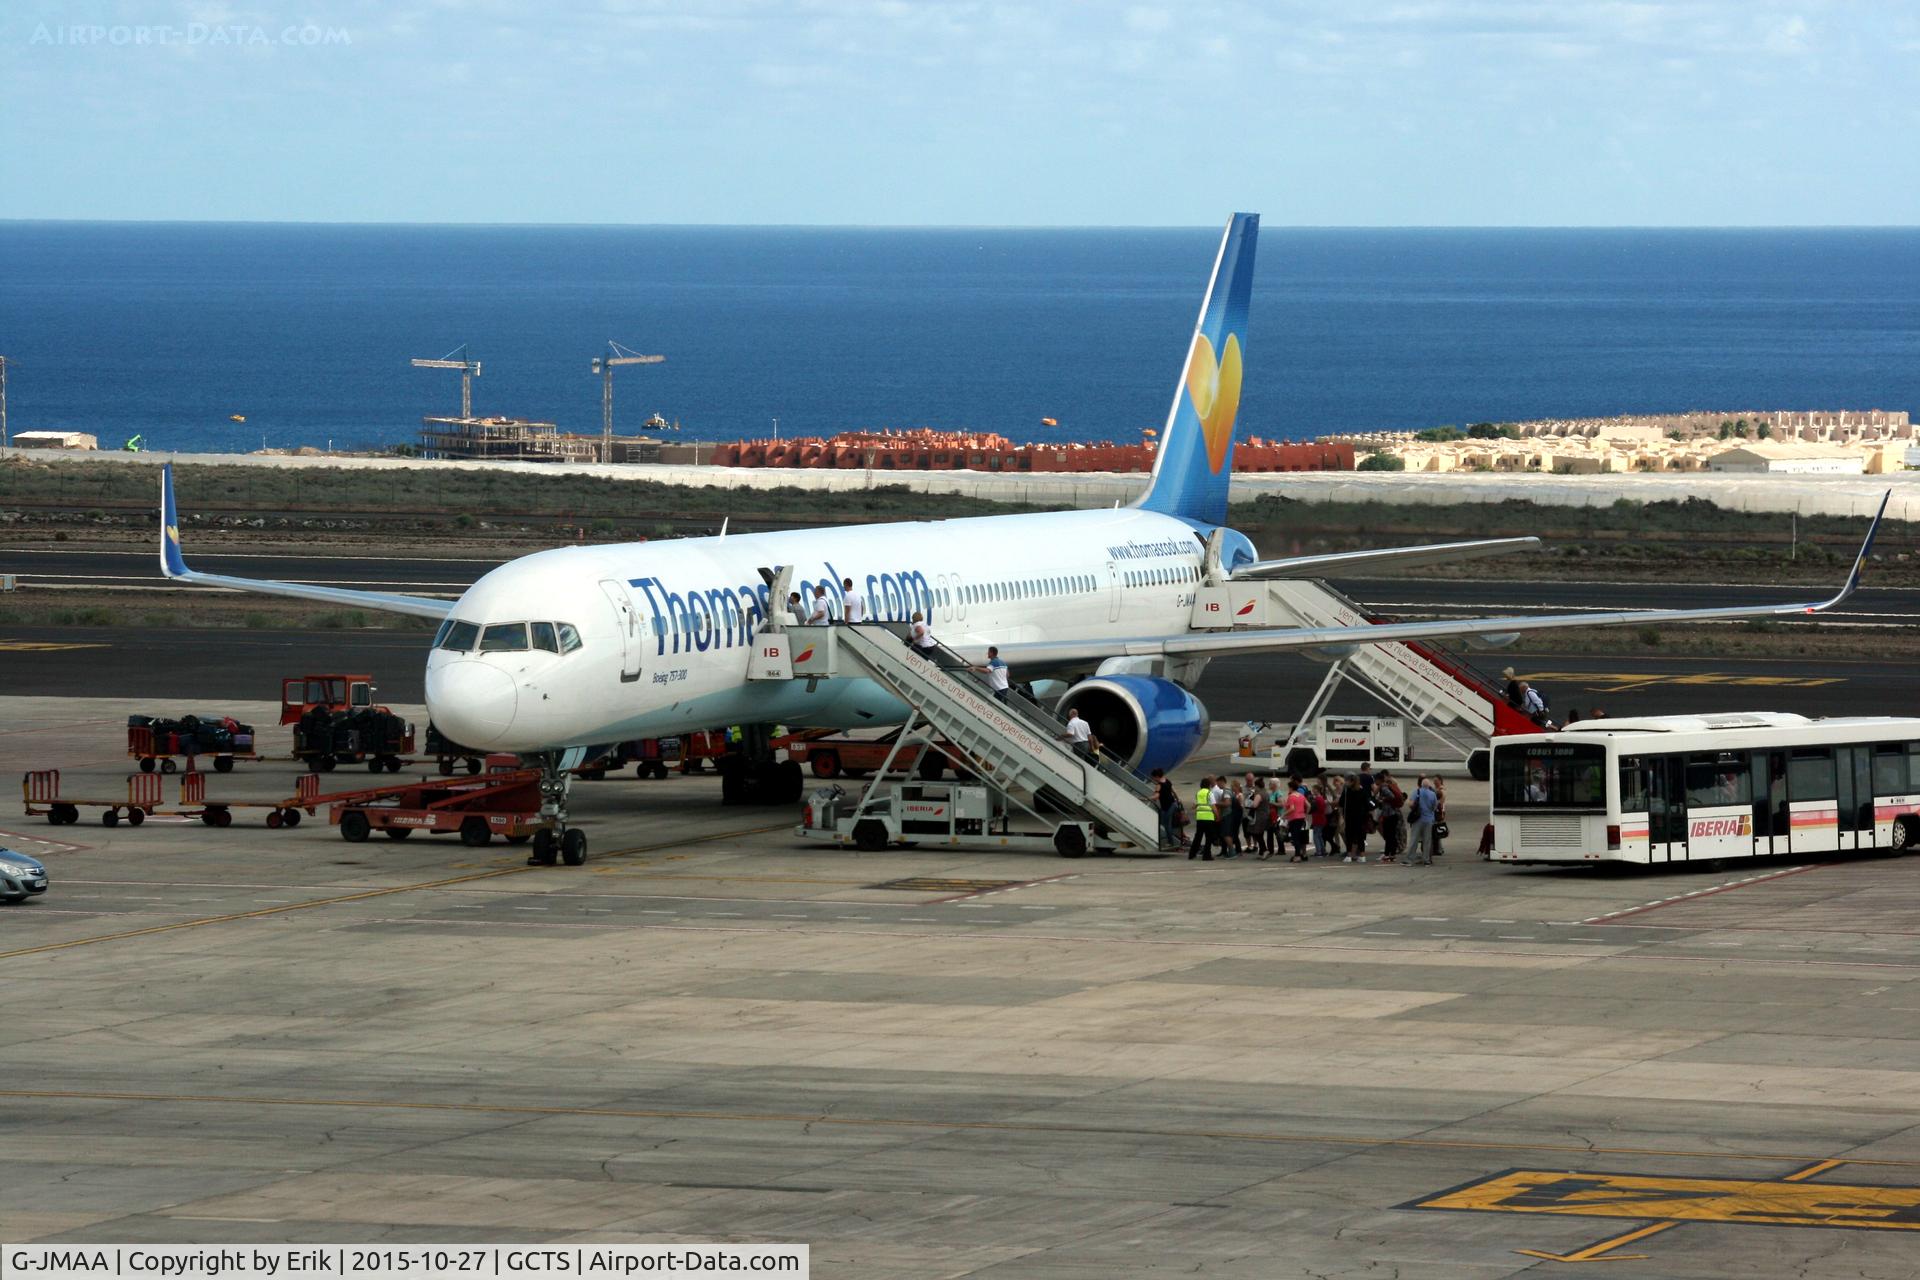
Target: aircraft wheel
pixel 543 843
pixel 474 833
pixel 354 826
pixel 573 847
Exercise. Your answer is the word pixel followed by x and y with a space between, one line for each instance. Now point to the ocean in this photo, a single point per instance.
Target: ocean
pixel 166 329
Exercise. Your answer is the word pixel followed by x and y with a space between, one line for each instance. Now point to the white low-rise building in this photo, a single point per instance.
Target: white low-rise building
pixel 54 440
pixel 1796 457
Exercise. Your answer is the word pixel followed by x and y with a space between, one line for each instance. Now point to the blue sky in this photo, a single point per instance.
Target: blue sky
pixel 894 112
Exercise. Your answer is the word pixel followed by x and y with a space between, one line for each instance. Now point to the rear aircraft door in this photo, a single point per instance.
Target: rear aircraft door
pixel 628 625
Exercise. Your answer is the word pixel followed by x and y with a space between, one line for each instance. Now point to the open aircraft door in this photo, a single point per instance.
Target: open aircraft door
pixel 628 623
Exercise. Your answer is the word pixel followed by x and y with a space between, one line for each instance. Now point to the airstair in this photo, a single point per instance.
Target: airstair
pixel 1456 706
pixel 1016 747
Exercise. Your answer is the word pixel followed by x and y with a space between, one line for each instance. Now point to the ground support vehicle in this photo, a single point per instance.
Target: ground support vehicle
pixel 373 736
pixel 40 789
pixel 832 754
pixel 653 757
pixel 968 815
pixel 157 742
pixel 449 756
pixel 301 694
pixel 505 804
pixel 1707 788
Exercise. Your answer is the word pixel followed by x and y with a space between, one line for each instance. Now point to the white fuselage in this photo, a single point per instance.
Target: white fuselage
pixel 665 628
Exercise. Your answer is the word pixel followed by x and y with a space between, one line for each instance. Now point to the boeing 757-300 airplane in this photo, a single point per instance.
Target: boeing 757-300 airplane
pixel 562 652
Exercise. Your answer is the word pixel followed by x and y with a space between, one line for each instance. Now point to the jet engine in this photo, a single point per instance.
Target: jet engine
pixel 1148 722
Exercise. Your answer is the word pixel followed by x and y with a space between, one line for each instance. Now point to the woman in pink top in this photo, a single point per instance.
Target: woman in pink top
pixel 1297 822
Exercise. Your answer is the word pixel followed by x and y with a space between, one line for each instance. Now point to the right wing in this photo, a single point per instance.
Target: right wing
pixel 1340 563
pixel 1068 654
pixel 174 565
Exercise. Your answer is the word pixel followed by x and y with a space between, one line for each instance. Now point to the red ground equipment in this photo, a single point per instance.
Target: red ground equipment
pixel 504 803
pixel 301 694
pixel 157 741
pixel 831 754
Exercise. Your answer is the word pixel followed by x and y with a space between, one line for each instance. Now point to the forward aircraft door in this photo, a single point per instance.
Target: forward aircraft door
pixel 1113 592
pixel 628 624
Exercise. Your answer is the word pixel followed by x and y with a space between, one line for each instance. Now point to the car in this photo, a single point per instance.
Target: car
pixel 21 876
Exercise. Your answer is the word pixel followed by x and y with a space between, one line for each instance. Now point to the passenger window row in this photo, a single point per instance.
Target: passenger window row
pixel 507 637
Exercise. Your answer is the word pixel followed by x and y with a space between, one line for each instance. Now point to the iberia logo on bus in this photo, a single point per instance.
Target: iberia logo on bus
pixel 1740 826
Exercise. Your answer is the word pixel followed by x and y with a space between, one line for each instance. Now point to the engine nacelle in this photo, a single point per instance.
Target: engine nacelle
pixel 1148 722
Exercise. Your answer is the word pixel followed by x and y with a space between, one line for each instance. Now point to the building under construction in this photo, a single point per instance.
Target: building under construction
pixel 523 440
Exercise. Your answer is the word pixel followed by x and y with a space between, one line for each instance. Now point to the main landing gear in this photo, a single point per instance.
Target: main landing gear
pixel 556 841
pixel 752 776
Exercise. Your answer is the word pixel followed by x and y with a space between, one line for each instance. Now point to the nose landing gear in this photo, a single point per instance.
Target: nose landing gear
pixel 556 840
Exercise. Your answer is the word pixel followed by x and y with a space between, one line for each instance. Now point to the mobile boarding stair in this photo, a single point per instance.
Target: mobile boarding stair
pixel 1044 791
pixel 1458 709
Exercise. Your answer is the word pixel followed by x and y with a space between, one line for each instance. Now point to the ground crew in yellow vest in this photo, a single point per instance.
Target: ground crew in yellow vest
pixel 1203 829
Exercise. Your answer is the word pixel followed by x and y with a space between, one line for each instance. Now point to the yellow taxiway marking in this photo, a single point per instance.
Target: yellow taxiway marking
pixel 47 646
pixel 364 895
pixel 1791 1201
pixel 917 1122
pixel 1594 1252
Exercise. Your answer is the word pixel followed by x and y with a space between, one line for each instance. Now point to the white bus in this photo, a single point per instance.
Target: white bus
pixel 1667 789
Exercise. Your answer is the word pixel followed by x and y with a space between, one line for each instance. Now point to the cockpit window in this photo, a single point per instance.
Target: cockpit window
pixel 457 636
pixel 569 638
pixel 504 637
pixel 543 637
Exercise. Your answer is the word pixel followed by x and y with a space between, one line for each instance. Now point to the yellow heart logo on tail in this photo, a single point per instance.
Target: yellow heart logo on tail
pixel 1214 387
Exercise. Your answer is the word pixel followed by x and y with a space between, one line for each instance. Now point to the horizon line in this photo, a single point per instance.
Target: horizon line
pixel 960 226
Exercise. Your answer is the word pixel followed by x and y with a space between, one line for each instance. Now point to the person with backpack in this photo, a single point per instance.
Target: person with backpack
pixel 1297 820
pixel 1164 801
pixel 1388 797
pixel 1254 832
pixel 1356 809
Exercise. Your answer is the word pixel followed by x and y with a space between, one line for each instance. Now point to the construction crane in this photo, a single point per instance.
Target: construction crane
pixel 604 366
pixel 469 370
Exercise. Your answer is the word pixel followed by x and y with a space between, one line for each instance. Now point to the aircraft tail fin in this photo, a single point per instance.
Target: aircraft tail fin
pixel 1194 462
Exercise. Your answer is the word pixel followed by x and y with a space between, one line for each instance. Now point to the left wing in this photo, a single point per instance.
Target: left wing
pixel 1206 644
pixel 1337 563
pixel 174 565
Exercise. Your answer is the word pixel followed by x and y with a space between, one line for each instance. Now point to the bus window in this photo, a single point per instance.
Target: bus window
pixel 1570 775
pixel 1810 774
pixel 1890 769
pixel 1633 785
pixel 1717 777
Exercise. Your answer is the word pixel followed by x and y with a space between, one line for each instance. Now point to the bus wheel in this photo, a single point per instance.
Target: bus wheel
pixel 1906 833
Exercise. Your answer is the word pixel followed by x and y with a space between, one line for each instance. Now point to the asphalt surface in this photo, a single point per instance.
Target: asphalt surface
pixel 939 1062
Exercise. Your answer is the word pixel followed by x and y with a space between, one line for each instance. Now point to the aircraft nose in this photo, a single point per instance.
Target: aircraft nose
pixel 471 703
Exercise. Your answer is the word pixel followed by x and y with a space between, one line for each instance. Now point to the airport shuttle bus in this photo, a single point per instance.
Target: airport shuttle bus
pixel 1662 789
